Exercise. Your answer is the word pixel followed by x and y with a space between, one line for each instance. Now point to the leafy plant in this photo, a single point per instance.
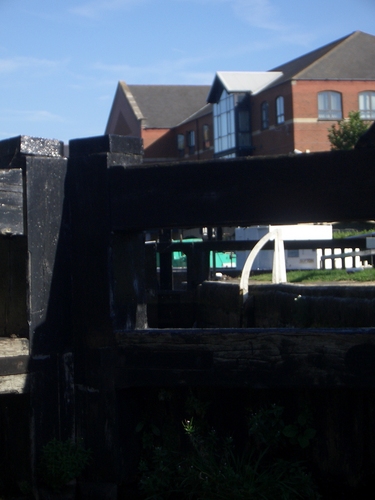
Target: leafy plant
pixel 212 467
pixel 345 134
pixel 61 462
pixel 301 431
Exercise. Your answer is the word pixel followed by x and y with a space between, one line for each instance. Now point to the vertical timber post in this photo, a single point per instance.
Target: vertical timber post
pixel 44 263
pixel 108 294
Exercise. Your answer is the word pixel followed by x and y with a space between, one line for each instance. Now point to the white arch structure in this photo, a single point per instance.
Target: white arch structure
pixel 278 266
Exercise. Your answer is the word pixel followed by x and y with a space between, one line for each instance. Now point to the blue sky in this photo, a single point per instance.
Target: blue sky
pixel 60 61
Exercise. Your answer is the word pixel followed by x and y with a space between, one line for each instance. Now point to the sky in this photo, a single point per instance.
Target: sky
pixel 60 61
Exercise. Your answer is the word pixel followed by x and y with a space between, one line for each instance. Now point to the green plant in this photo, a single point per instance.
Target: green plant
pixel 212 467
pixel 301 431
pixel 61 462
pixel 346 133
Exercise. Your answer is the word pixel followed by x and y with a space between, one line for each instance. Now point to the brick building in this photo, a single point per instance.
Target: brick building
pixel 303 98
pixel 174 121
pixel 287 109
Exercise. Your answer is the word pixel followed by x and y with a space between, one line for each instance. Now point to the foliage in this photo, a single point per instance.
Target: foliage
pixel 346 233
pixel 345 134
pixel 212 467
pixel 321 275
pixel 61 462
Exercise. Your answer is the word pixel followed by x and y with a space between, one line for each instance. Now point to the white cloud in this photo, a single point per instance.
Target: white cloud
pixel 162 71
pixel 12 65
pixel 39 115
pixel 258 13
pixel 95 8
pixel 264 14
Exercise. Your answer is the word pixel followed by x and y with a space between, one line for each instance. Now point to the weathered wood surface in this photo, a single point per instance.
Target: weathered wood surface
pixel 11 206
pixel 14 366
pixel 318 187
pixel 13 286
pixel 13 347
pixel 15 384
pixel 238 245
pixel 259 358
pixel 14 356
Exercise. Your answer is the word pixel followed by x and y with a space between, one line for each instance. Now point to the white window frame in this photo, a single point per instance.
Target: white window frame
pixel 329 105
pixel 366 104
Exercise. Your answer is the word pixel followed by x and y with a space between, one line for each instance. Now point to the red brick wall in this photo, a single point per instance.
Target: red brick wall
pixel 302 130
pixel 277 139
pixel 161 144
pixel 313 134
pixel 203 151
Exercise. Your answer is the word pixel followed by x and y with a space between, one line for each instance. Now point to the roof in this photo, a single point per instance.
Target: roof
pixel 241 81
pixel 349 58
pixel 205 110
pixel 165 106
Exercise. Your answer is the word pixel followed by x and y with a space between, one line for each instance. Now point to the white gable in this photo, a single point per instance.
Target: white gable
pixel 247 81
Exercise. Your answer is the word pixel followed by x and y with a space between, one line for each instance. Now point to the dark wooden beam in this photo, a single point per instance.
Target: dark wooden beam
pixel 259 358
pixel 238 245
pixel 318 187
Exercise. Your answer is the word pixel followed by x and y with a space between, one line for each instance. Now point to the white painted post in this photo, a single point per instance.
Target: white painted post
pixel 280 259
pixel 278 267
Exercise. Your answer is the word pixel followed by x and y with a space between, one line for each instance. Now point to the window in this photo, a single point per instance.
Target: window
pixel 206 136
pixel 329 106
pixel 265 115
pixel 280 117
pixel 191 141
pixel 224 123
pixel 244 135
pixel 180 142
pixel 367 105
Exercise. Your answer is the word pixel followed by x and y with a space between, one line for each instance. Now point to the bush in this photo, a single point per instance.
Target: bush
pixel 211 467
pixel 346 133
pixel 61 462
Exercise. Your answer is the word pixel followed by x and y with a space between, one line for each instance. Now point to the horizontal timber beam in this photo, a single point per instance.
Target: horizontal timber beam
pixel 315 187
pixel 259 358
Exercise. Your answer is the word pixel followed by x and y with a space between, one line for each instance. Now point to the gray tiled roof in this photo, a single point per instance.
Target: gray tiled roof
pixel 351 57
pixel 205 110
pixel 165 106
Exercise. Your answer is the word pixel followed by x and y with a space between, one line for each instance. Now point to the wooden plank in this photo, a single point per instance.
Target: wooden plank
pixel 15 384
pixel 318 187
pixel 13 286
pixel 14 356
pixel 11 204
pixel 13 347
pixel 238 245
pixel 260 358
pixel 14 365
pixel 48 254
